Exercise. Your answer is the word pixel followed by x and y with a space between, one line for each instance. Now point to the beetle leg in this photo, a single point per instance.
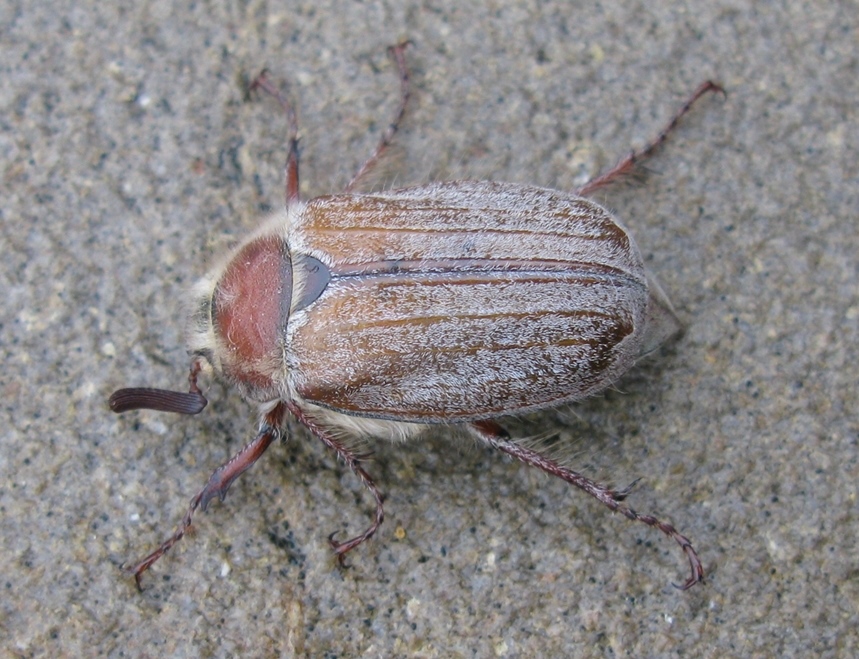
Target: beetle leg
pixel 628 164
pixel 219 483
pixel 498 438
pixel 291 178
pixel 353 461
pixel 398 53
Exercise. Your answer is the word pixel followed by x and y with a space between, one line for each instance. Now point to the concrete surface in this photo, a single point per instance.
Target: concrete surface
pixel 131 158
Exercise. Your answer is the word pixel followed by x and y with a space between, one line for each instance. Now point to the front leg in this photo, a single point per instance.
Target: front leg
pixel 219 483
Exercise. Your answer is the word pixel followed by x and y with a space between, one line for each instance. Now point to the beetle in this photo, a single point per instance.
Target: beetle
pixel 453 303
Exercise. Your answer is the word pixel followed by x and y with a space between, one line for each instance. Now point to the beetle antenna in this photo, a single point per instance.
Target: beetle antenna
pixel 161 400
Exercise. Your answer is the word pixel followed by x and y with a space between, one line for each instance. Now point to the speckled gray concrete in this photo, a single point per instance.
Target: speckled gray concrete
pixel 131 158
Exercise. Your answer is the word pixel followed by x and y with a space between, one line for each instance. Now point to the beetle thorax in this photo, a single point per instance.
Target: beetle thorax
pixel 241 312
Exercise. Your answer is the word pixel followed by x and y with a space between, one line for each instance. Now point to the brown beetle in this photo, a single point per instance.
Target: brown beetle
pixel 448 303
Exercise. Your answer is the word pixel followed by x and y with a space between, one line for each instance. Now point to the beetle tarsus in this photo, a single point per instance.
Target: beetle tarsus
pixel 697 575
pixel 138 569
pixel 339 552
pixel 628 164
pixel 219 483
pixel 607 496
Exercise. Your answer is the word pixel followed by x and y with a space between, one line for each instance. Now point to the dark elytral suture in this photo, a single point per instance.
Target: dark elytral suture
pixel 275 413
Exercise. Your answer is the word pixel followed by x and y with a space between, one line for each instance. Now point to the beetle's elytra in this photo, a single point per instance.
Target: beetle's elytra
pixel 448 303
